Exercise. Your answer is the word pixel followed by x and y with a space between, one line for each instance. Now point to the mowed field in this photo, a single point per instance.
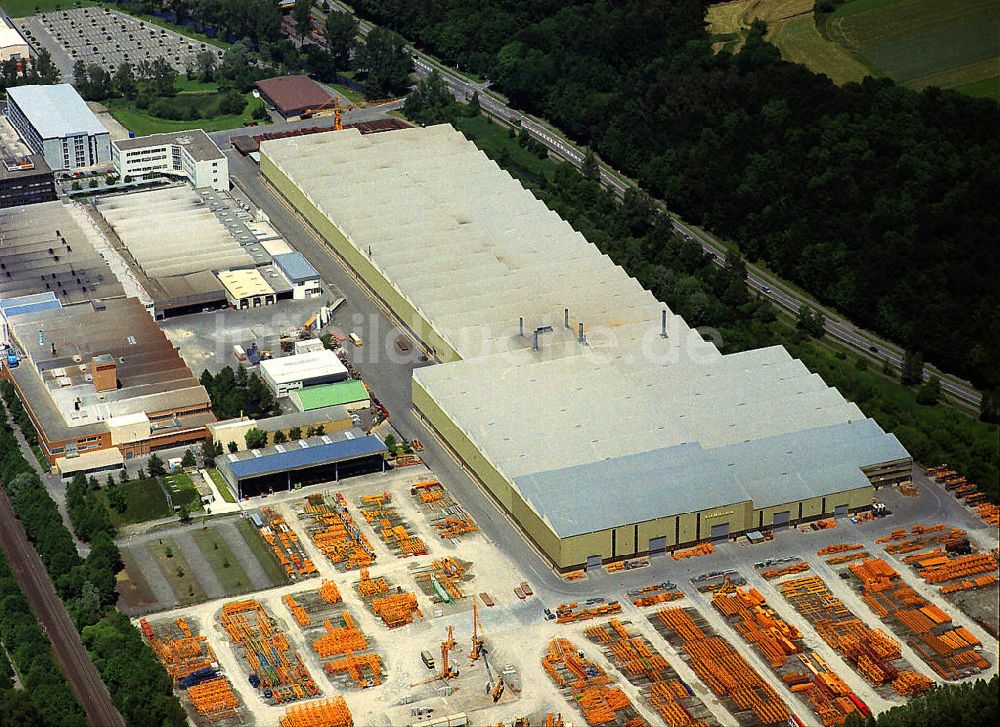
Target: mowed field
pixel 918 43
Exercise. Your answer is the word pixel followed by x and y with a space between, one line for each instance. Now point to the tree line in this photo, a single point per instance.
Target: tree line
pixel 968 704
pixel 40 70
pixel 45 699
pixel 139 685
pixel 682 275
pixel 877 199
pixel 237 392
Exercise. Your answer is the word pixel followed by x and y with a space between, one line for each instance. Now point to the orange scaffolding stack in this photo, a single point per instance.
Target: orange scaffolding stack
pixel 721 668
pixel 643 666
pixel 382 515
pixel 297 611
pixel 329 592
pixel 343 640
pixel 369 586
pixel 364 669
pixel 335 533
pixel 776 641
pixel 838 548
pixel 445 576
pixel 772 573
pixel 182 656
pixel 281 674
pixel 870 651
pixel 589 686
pixel 396 610
pixel 321 713
pixel 654 593
pixel 570 612
pixel 700 549
pixel 948 649
pixel 285 544
pixel 214 699
pixel 448 517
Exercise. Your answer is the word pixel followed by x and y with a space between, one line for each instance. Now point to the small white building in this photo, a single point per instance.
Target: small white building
pixel 191 154
pixel 246 288
pixel 303 276
pixel 13 46
pixel 288 373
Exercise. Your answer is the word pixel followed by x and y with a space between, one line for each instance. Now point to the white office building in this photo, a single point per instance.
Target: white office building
pixel 190 154
pixel 56 123
pixel 288 373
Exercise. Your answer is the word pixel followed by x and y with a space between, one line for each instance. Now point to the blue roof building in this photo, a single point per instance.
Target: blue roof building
pixel 303 276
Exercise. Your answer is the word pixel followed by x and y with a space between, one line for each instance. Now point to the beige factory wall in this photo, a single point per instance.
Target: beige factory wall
pixel 358 262
pixel 812 508
pixel 738 516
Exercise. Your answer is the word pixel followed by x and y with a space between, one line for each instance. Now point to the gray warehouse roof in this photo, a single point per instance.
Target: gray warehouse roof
pixel 295 267
pixel 474 253
pixel 56 111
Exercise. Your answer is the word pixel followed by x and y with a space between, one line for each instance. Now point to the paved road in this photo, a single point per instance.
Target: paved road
pixel 837 327
pixel 80 672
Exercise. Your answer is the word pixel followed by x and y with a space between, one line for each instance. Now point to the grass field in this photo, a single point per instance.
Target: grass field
pixel 223 486
pixel 918 43
pixel 23 8
pixel 262 551
pixel 145 499
pixel 182 491
pixel 225 565
pixel 185 586
pixel 143 123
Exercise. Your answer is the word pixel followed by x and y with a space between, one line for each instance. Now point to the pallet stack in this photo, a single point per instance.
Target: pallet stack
pixel 588 686
pixel 335 533
pixel 321 713
pixel 643 666
pixel 449 519
pixel 382 515
pixel 721 668
pixel 948 649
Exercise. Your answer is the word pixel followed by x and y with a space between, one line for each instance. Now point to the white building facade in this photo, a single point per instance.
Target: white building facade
pixel 191 154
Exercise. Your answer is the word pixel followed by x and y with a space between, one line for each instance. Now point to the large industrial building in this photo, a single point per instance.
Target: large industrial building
pixel 188 154
pixel 56 123
pixel 594 415
pixel 102 376
pixel 288 373
pixel 176 244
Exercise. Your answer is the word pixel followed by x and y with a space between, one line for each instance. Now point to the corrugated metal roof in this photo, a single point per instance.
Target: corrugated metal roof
pixel 56 111
pixel 295 267
pixel 317 397
pixel 315 452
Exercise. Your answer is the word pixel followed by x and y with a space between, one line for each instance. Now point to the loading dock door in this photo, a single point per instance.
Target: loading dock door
pixel 658 546
pixel 720 531
pixel 593 562
pixel 781 519
pixel 840 511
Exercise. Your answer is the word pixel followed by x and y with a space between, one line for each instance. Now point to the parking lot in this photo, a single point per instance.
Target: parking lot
pixel 107 38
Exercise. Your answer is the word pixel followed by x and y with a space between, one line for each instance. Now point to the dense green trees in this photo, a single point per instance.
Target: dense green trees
pixel 233 393
pixel 341 31
pixel 878 199
pixel 385 63
pixel 29 71
pixel 969 704
pixel 86 509
pixel 46 698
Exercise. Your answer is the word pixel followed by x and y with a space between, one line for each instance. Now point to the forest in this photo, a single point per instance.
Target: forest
pixel 969 704
pixel 878 200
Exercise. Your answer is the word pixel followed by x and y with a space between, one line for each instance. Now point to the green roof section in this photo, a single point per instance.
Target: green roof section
pixel 343 392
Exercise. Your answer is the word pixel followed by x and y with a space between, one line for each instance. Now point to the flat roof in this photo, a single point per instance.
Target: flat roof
pixel 306 419
pixel 22 304
pixel 288 369
pixel 474 253
pixel 292 95
pixel 44 249
pixel 90 460
pixel 9 35
pixel 60 344
pixel 56 111
pixel 302 453
pixel 195 141
pixel 324 395
pixel 295 267
pixel 244 283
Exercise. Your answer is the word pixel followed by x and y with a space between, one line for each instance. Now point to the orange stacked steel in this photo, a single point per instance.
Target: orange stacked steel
pixel 644 667
pixel 364 669
pixel 989 513
pixel 445 575
pixel 772 573
pixel 870 651
pixel 343 640
pixel 297 611
pixel 382 515
pixel 588 685
pixel 775 640
pixel 396 610
pixel 285 543
pixel 569 612
pixel 960 567
pixel 369 586
pixel 181 656
pixel 838 548
pixel 701 549
pixel 321 713
pixel 214 699
pixel 282 674
pixel 948 649
pixel 654 593
pixel 721 668
pixel 329 592
pixel 448 517
pixel 848 557
pixel 335 533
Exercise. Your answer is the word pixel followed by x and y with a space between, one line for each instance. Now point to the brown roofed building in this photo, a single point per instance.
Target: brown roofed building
pixel 294 97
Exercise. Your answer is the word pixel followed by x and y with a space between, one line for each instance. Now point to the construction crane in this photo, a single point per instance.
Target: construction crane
pixel 477 634
pixel 447 671
pixel 493 688
pixel 334 105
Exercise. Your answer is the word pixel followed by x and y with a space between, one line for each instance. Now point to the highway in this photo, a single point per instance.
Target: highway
pixel 837 327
